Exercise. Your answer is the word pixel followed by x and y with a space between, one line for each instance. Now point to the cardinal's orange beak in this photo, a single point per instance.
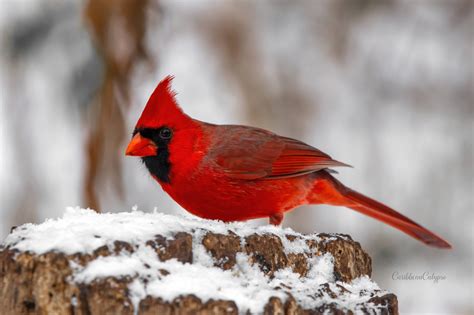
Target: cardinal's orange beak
pixel 140 146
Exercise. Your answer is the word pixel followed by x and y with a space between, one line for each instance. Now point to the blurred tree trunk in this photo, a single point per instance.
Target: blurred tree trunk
pixel 118 28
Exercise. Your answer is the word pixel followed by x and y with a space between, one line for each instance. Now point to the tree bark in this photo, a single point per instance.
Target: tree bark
pixel 41 284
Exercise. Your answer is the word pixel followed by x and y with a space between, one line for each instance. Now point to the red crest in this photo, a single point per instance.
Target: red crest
pixel 162 108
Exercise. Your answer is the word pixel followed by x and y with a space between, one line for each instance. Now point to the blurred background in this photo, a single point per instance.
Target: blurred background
pixel 386 86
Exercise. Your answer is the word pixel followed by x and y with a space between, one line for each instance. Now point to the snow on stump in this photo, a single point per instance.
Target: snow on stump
pixel 152 263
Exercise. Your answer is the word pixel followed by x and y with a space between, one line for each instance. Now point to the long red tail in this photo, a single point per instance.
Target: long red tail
pixel 330 191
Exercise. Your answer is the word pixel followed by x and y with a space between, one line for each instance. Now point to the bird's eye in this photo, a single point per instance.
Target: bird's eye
pixel 165 133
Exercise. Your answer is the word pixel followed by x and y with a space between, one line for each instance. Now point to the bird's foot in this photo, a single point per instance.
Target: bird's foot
pixel 276 218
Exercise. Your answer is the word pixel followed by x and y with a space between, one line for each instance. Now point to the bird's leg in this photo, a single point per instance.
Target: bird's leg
pixel 276 218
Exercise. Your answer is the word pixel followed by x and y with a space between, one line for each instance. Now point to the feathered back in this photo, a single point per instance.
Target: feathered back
pixel 162 108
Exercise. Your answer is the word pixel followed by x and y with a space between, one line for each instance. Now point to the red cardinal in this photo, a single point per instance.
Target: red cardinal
pixel 237 173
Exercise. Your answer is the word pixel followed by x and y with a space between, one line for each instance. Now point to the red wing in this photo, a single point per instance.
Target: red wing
pixel 298 158
pixel 251 153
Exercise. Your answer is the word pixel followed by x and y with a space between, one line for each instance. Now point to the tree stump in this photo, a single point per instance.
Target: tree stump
pixel 139 263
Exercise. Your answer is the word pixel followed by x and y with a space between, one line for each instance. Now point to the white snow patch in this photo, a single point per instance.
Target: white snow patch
pixel 84 230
